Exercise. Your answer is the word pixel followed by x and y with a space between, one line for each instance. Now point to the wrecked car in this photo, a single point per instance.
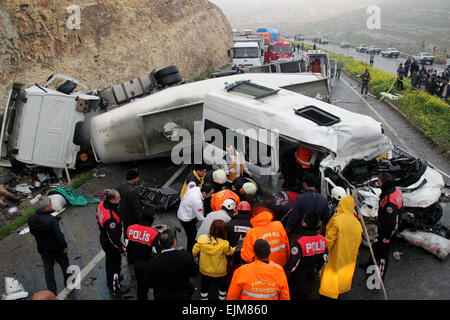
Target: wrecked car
pixel 352 147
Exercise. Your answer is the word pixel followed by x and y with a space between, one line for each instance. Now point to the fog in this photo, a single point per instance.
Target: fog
pixel 281 14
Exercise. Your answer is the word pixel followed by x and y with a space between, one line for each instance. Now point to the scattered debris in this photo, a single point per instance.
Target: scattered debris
pixel 433 243
pixel 24 189
pixel 5 193
pixel 89 281
pixel 14 290
pixel 12 210
pixel 397 255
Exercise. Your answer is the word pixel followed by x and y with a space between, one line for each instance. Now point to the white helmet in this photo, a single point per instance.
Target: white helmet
pixel 338 193
pixel 219 176
pixel 249 188
pixel 229 204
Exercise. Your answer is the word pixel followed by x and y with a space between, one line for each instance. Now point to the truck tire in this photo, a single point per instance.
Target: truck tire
pixel 166 71
pixel 170 79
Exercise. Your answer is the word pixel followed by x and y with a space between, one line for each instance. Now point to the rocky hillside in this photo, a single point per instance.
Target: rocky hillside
pixel 117 40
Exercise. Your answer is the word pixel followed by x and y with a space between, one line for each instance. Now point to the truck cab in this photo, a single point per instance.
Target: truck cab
pixel 246 54
pixel 281 51
pixel 45 127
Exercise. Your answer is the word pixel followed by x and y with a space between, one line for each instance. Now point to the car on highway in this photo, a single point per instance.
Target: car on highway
pixel 322 40
pixel 424 58
pixel 344 44
pixel 361 48
pixel 390 52
pixel 373 49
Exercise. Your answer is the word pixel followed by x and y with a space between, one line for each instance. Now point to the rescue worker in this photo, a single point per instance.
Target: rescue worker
pixel 234 164
pixel 308 255
pixel 273 232
pixel 309 201
pixel 343 235
pixel 143 245
pixel 224 214
pixel 170 271
pixel 212 249
pixel 195 176
pixel 51 243
pixel 191 210
pixel 218 198
pixel 130 207
pixel 237 229
pixel 279 206
pixel 306 161
pixel 261 279
pixel 337 194
pixel 390 208
pixel 245 187
pixel 218 179
pixel 110 239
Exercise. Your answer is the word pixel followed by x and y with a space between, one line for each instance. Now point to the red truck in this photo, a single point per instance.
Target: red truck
pixel 280 51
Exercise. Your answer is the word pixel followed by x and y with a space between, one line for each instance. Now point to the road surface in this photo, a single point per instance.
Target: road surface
pixel 383 63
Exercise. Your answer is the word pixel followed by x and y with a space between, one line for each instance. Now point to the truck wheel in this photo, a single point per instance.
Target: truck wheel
pixel 170 79
pixel 166 71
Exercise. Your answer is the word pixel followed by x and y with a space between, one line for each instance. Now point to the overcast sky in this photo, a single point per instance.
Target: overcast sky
pixel 238 10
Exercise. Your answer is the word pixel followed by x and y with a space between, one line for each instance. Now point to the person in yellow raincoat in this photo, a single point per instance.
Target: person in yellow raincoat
pixel 343 235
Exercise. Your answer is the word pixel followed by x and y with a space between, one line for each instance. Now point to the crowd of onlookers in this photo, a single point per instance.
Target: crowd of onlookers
pixel 428 80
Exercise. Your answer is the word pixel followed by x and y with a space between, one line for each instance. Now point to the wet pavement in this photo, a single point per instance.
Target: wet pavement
pixel 417 275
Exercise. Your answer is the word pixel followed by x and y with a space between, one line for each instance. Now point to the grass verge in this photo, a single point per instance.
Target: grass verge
pixel 429 113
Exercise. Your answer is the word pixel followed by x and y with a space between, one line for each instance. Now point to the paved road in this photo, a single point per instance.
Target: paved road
pixel 387 64
pixel 418 275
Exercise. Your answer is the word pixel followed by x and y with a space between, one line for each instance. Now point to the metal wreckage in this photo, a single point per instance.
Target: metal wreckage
pixel 141 119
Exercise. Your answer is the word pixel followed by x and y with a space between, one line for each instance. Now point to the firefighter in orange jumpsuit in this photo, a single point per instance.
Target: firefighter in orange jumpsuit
pixel 260 280
pixel 271 231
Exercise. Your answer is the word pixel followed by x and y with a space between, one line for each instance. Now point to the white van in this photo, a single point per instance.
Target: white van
pixel 263 122
pixel 318 61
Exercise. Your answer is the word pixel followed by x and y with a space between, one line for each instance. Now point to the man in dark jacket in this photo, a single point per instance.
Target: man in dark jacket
pixel 143 245
pixel 400 74
pixel 309 201
pixel 110 239
pixel 408 63
pixel 237 229
pixel 170 271
pixel 308 255
pixel 130 208
pixel 390 207
pixel 51 243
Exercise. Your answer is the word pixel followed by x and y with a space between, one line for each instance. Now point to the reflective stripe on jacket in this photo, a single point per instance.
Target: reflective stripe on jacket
pixel 259 281
pixel 271 231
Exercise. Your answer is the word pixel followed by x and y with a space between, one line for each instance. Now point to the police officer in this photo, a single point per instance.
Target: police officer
pixel 110 239
pixel 308 255
pixel 143 244
pixel 390 207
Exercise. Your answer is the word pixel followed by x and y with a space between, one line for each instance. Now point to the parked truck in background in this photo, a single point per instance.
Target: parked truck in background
pixel 248 51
